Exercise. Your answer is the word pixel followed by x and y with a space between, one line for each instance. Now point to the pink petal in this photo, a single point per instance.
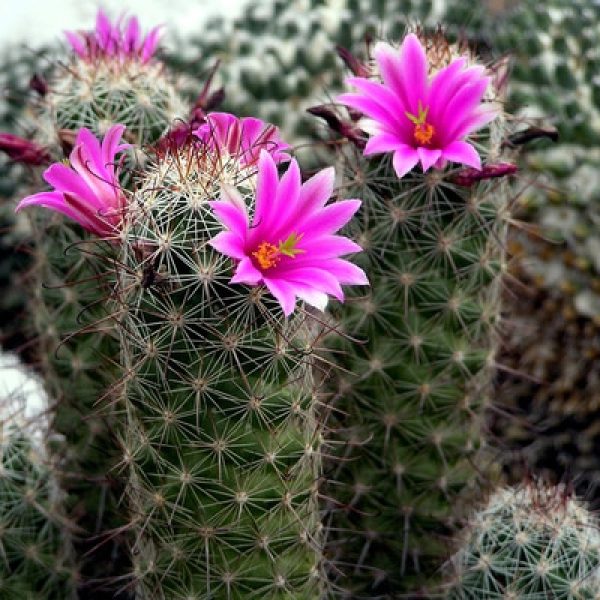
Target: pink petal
pixel 331 246
pixel 230 244
pixel 474 121
pixel 464 103
pixel 63 179
pixel 405 158
pixel 247 273
pixel 462 152
pixel 76 43
pixel 404 72
pixel 150 44
pixel 428 157
pixel 383 142
pixel 284 293
pixel 266 189
pixel 51 200
pixel 347 273
pixel 331 218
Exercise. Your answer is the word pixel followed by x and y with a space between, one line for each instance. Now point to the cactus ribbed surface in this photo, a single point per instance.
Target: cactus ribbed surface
pixel 531 542
pixel 415 359
pixel 222 441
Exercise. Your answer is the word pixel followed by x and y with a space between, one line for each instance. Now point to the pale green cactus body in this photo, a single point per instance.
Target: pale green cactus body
pixel 530 542
pixel 222 442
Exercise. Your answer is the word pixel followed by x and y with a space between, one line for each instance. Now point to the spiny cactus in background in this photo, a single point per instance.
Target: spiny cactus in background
pixel 36 557
pixel 530 542
pixel 551 348
pixel 222 443
pixel 415 355
pixel 278 58
pixel 112 76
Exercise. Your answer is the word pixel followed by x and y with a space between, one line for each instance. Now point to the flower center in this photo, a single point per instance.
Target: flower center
pixel 424 131
pixel 268 255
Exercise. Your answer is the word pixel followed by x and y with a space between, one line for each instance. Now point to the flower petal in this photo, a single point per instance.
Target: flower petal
pixel 462 152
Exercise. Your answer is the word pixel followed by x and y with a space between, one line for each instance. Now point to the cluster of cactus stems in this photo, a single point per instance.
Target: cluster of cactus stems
pixel 220 430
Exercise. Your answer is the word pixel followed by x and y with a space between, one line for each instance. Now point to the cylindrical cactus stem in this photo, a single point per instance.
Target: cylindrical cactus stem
pixel 223 440
pixel 528 542
pixel 417 357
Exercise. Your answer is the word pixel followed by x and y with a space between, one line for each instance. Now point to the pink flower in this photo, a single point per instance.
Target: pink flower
pixel 289 245
pixel 243 139
pixel 88 191
pixel 111 41
pixel 418 119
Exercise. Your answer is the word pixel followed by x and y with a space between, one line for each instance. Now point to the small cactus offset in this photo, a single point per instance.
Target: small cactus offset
pixel 531 542
pixel 416 352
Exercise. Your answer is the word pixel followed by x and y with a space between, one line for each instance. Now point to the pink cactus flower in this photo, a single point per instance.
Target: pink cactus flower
pixel 421 120
pixel 242 139
pixel 114 41
pixel 88 190
pixel 289 244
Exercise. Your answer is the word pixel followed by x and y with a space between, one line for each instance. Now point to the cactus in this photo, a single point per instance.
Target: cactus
pixel 112 77
pixel 415 356
pixel 529 542
pixel 222 442
pixel 36 557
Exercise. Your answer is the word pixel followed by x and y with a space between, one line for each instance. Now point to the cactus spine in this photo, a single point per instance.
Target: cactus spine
pixel 222 441
pixel 416 356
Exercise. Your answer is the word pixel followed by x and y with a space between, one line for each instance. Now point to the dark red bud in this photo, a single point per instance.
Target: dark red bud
pixel 357 67
pixel 468 177
pixel 38 84
pixel 348 130
pixel 24 151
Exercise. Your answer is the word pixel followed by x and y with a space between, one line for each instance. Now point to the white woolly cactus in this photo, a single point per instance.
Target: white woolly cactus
pixel 530 542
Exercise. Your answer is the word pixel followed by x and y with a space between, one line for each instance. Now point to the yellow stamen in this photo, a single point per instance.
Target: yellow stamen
pixel 268 255
pixel 424 131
